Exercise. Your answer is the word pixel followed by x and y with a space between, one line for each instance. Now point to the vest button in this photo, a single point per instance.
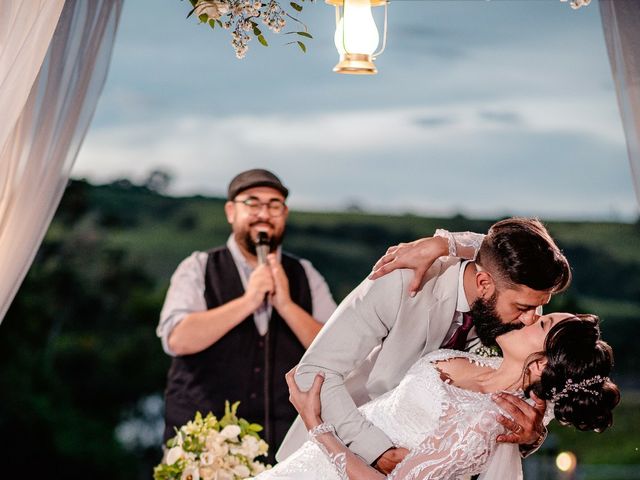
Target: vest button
pixel 257 370
pixel 253 396
pixel 260 343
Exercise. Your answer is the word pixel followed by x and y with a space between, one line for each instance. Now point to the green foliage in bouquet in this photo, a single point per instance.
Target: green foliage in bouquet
pixel 207 448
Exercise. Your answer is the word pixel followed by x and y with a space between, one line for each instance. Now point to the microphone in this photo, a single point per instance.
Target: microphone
pixel 262 247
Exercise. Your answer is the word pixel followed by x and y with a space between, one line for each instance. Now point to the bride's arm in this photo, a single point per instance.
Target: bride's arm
pixel 347 464
pixel 420 254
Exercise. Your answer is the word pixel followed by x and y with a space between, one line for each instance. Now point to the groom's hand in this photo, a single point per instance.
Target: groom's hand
pixel 389 459
pixel 525 424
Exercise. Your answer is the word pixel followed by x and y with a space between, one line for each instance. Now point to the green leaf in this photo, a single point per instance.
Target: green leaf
pixel 296 7
pixel 212 23
pixel 254 427
pixel 302 47
pixel 256 31
pixel 203 18
pixel 219 22
pixel 304 34
pixel 263 40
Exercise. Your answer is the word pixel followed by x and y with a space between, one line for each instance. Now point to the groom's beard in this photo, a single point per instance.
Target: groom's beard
pixel 487 322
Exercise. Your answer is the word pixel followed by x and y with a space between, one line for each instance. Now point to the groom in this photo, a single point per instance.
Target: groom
pixel 379 330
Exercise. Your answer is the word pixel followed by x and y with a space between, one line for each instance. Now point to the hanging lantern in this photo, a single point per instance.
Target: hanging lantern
pixel 356 36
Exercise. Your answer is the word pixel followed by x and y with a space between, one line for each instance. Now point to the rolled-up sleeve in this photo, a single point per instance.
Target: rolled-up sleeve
pixel 185 295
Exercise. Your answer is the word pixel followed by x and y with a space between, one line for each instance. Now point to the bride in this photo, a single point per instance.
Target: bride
pixel 443 410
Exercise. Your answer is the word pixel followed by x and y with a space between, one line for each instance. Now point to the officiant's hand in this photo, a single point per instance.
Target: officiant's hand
pixel 307 403
pixel 526 422
pixel 281 297
pixel 389 459
pixel 418 256
pixel 260 284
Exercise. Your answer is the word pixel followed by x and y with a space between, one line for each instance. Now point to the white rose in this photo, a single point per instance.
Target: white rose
pixel 230 431
pixel 251 446
pixel 263 447
pixel 207 458
pixel 242 471
pixel 174 454
pixel 190 473
pixel 213 438
pixel 219 450
pixel 224 475
pixel 207 473
pixel 213 9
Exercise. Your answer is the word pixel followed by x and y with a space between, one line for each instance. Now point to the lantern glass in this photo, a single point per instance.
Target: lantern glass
pixel 356 31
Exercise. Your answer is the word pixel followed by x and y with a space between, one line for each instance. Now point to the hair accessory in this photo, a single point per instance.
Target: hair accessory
pixel 582 386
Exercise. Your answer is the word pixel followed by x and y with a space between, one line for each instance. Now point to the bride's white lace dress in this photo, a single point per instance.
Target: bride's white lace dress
pixel 450 431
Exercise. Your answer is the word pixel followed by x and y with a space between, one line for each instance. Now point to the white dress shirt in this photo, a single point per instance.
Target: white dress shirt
pixel 186 292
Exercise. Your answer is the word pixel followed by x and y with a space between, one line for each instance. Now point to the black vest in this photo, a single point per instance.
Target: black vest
pixel 233 368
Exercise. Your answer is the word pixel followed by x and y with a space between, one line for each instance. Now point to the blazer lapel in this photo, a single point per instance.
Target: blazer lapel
pixel 440 313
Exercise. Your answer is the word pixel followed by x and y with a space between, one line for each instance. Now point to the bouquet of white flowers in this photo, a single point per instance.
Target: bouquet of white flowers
pixel 211 449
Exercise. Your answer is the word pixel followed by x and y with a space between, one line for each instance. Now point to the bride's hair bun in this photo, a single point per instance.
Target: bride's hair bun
pixel 576 377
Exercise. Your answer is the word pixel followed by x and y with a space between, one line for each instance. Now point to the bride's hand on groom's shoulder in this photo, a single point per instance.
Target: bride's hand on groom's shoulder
pixel 418 256
pixel 306 403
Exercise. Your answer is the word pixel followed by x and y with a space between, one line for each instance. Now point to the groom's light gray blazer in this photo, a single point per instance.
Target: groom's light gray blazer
pixel 368 345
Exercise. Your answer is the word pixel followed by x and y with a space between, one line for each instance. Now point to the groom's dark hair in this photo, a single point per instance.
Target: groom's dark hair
pixel 520 251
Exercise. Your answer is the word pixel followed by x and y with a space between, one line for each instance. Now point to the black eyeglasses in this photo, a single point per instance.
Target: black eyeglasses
pixel 274 207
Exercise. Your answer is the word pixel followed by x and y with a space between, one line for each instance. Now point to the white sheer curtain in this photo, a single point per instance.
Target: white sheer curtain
pixel 47 102
pixel 621 24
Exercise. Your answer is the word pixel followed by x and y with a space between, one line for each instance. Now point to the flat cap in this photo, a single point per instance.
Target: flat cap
pixel 256 177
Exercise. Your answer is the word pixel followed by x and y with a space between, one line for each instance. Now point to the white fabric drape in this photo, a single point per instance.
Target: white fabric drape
pixel 621 24
pixel 47 102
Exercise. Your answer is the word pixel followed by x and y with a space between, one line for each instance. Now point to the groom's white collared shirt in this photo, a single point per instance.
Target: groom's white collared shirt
pixel 462 306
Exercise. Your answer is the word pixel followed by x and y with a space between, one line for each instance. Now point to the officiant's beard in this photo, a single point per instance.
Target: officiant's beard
pixel 249 243
pixel 487 322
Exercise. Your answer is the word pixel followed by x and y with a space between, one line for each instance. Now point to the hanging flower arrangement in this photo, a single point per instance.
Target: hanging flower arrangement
pixel 244 19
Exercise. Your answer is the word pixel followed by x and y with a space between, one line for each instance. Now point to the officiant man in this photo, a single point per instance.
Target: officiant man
pixel 234 325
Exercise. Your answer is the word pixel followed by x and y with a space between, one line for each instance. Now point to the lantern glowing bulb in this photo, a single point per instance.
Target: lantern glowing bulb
pixel 356 36
pixel 356 31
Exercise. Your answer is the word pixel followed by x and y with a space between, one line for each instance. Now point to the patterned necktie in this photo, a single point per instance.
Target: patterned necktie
pixel 458 340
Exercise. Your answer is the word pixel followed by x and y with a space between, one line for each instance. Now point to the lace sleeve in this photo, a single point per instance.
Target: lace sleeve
pixel 347 464
pixel 455 450
pixel 462 244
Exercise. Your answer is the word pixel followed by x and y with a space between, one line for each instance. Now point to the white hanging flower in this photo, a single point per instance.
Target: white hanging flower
pixel 174 454
pixel 575 4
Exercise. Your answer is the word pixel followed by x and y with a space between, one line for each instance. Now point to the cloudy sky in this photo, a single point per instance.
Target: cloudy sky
pixel 485 108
